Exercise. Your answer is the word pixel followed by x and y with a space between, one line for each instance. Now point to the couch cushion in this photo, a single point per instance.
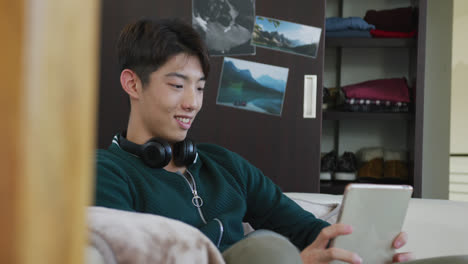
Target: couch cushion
pixel 127 237
pixel 436 228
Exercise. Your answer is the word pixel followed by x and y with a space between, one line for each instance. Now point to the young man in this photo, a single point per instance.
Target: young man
pixel 153 168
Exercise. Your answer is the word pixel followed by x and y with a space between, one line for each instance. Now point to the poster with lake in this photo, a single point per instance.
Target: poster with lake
pixel 225 25
pixel 286 36
pixel 252 86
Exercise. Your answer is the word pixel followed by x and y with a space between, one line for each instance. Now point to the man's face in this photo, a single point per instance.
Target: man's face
pixel 172 98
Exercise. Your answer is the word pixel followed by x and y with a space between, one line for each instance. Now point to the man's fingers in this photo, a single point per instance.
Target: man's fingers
pixel 340 254
pixel 402 257
pixel 331 232
pixel 400 240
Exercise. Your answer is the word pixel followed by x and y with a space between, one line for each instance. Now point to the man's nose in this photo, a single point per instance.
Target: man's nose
pixel 190 100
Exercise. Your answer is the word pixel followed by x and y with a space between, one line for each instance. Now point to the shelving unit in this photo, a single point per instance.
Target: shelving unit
pixel 411 121
pixel 369 43
pixel 340 115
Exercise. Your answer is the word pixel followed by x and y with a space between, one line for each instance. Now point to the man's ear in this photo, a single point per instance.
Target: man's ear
pixel 130 83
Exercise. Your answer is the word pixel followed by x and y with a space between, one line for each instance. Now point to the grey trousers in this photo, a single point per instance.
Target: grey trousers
pixel 267 247
pixel 263 247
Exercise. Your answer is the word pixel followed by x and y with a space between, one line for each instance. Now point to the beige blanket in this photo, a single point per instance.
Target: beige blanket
pixel 125 237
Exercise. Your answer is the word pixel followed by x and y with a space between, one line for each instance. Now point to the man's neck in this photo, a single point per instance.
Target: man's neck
pixel 135 131
pixel 174 168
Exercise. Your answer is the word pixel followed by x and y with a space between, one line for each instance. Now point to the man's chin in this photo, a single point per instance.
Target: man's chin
pixel 178 138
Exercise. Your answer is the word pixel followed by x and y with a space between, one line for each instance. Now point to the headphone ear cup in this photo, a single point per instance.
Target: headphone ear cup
pixel 185 152
pixel 156 153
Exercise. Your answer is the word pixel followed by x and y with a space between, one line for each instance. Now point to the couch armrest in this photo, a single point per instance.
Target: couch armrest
pixel 436 228
pixel 128 237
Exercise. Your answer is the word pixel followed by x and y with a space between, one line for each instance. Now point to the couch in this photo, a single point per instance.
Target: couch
pixel 435 228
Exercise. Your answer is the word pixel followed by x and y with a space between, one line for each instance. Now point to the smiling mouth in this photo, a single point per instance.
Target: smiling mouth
pixel 183 120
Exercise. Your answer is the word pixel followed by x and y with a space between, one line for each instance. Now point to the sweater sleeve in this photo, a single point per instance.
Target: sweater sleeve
pixel 269 208
pixel 113 189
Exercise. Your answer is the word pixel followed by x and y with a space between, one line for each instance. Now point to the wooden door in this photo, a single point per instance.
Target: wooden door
pixel 47 108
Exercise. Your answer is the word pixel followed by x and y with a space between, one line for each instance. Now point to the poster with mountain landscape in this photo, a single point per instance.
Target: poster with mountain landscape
pixel 252 86
pixel 225 25
pixel 286 36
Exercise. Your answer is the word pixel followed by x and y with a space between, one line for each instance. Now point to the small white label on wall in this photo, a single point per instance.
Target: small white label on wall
pixel 310 95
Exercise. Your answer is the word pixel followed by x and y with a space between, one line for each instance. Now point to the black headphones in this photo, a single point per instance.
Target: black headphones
pixel 157 153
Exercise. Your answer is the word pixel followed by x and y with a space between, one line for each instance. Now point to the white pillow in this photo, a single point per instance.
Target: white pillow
pixel 323 206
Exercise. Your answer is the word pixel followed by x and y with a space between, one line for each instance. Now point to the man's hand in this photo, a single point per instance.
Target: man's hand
pixel 317 252
pixel 399 242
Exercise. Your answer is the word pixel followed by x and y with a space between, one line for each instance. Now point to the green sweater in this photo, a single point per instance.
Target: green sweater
pixel 233 191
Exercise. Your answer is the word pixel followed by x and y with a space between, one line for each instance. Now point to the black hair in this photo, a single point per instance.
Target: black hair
pixel 145 45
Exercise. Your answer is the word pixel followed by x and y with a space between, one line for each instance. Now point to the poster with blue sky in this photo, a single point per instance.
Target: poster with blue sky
pixel 286 36
pixel 252 86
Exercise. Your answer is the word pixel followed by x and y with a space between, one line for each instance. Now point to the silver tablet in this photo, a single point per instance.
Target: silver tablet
pixel 376 212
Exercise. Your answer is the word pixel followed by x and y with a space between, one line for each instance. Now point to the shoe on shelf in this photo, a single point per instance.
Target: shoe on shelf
pixel 346 167
pixel 371 162
pixel 327 165
pixel 326 176
pixel 395 165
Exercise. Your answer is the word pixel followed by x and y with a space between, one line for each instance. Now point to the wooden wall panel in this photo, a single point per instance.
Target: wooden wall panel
pixel 11 26
pixel 48 106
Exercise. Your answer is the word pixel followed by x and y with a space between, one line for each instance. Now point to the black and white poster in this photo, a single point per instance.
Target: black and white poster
pixel 225 25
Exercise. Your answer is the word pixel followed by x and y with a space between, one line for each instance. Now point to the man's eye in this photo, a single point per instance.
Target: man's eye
pixel 201 89
pixel 177 86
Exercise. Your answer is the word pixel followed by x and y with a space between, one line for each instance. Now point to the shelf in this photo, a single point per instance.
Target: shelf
pixel 340 115
pixel 338 187
pixel 370 42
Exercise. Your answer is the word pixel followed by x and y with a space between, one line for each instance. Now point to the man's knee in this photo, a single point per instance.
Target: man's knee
pixel 263 247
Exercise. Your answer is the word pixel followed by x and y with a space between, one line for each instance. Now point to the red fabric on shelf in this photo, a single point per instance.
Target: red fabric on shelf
pixel 377 33
pixel 402 19
pixel 394 90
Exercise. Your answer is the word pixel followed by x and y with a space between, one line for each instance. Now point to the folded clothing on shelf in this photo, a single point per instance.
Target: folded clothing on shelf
pixel 393 90
pixel 374 106
pixel 348 34
pixel 378 33
pixel 349 27
pixel 399 19
pixel 348 23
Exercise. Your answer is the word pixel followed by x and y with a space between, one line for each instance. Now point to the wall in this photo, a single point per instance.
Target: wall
pixel 437 100
pixel 458 187
pixel 459 107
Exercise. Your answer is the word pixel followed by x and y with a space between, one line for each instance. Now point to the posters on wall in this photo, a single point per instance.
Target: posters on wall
pixel 286 36
pixel 230 28
pixel 225 25
pixel 252 86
